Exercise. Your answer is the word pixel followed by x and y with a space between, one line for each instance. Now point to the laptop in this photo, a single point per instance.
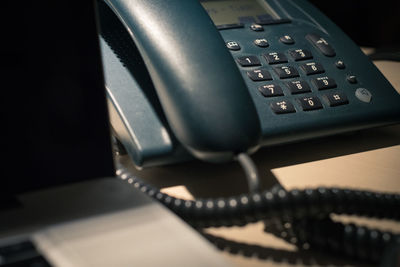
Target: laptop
pixel 60 202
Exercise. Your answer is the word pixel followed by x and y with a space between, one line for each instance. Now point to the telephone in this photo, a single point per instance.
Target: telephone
pixel 210 79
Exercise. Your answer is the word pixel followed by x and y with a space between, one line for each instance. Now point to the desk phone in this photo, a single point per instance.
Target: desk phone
pixel 210 79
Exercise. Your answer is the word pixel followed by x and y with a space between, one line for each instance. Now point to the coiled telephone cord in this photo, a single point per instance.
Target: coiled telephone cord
pixel 302 217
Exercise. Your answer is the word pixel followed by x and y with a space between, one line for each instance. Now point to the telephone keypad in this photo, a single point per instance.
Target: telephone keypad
pixel 259 75
pixel 275 58
pixel 298 87
pixel 270 90
pixel 293 71
pixel 312 68
pixel 310 103
pixel 323 83
pixel 336 99
pixel 282 107
pixel 248 61
pixel 286 72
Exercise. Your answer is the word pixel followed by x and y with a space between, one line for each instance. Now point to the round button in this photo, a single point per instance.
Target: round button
pixel 256 27
pixel 233 46
pixel 340 64
pixel 364 95
pixel 287 39
pixel 352 79
pixel 261 42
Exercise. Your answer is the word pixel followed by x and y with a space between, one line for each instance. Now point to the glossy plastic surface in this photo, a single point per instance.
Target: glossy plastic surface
pixel 204 99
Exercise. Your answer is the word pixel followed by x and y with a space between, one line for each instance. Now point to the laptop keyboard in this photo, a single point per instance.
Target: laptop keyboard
pixel 21 254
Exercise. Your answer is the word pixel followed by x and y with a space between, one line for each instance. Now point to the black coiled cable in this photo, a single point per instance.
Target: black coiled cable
pixel 306 211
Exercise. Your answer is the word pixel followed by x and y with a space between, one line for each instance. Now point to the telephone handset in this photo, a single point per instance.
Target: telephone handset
pixel 212 79
pixel 201 91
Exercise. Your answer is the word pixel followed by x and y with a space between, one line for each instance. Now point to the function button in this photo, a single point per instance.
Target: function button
pixel 270 90
pixel 261 42
pixel 286 39
pixel 281 107
pixel 321 44
pixel 285 72
pixel 275 58
pixel 259 75
pixel 256 27
pixel 340 64
pixel 300 54
pixel 364 95
pixel 298 87
pixel 336 99
pixel 312 68
pixel 248 61
pixel 233 46
pixel 310 103
pixel 352 79
pixel 323 83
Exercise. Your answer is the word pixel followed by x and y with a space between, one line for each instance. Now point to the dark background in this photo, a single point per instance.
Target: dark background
pixel 368 23
pixel 54 117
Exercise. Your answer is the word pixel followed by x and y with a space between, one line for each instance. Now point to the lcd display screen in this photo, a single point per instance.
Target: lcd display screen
pixel 224 12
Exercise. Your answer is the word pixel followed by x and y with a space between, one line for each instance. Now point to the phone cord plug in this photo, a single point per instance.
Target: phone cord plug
pixel 302 217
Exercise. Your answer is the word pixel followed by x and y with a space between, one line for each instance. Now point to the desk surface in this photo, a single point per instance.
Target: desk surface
pixel 362 160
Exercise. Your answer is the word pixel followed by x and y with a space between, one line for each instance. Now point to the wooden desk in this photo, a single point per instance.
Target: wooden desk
pixel 367 160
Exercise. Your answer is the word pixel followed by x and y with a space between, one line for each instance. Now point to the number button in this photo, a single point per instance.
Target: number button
pixel 285 72
pixel 310 103
pixel 259 75
pixel 248 61
pixel 270 90
pixel 312 68
pixel 300 54
pixel 336 99
pixel 281 107
pixel 323 83
pixel 275 58
pixel 298 87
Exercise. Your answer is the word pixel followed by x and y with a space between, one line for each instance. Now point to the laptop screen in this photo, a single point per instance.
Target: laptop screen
pixel 55 128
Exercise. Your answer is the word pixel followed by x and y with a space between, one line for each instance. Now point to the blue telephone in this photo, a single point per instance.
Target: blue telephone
pixel 213 78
